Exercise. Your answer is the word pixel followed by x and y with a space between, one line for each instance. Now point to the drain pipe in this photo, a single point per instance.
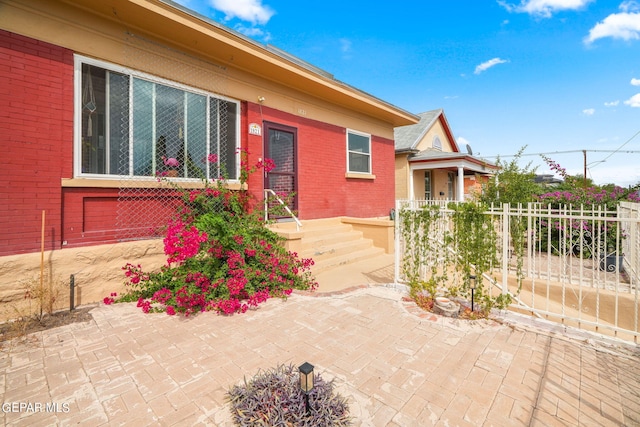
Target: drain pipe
pixel 72 290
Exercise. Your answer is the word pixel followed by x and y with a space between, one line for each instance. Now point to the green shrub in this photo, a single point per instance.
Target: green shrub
pixel 220 256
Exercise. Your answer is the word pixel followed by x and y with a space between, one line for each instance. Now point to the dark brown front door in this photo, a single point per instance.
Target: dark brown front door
pixel 281 147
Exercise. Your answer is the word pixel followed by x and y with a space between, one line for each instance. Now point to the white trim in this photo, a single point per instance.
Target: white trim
pixel 460 195
pixel 77 116
pixel 370 154
pixel 427 172
pixel 79 60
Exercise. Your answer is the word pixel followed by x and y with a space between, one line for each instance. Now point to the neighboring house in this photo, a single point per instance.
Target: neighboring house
pixel 430 166
pixel 101 97
pixel 547 180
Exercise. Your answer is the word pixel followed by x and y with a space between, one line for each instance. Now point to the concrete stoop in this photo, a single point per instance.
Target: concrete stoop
pixel 329 242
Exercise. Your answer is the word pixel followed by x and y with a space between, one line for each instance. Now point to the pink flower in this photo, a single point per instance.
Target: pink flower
pixel 181 243
pixel 267 164
pixel 144 304
pixel 170 310
pixel 170 161
pixel 212 158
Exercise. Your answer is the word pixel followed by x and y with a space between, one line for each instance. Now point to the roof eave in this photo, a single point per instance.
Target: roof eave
pixel 183 28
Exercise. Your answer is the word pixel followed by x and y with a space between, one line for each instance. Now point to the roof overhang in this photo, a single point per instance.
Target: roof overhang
pixel 469 163
pixel 184 29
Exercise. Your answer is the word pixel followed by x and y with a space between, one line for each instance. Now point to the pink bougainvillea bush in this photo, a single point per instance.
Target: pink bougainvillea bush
pixel 220 257
pixel 584 237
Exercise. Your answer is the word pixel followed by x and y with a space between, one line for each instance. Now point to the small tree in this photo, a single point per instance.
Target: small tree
pixel 512 184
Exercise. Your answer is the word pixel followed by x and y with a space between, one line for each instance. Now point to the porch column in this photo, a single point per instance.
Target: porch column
pixel 460 184
pixel 411 192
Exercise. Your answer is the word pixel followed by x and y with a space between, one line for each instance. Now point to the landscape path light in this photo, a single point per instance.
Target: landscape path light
pixel 306 381
pixel 472 285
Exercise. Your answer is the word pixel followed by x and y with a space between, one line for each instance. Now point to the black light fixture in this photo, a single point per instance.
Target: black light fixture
pixel 306 381
pixel 472 285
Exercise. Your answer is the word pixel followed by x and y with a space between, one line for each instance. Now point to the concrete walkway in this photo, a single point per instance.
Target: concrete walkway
pixel 397 365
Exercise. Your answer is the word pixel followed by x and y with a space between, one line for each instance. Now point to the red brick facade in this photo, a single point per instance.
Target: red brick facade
pixel 323 189
pixel 36 130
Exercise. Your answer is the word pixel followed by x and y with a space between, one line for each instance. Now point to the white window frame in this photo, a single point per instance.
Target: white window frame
pixel 369 154
pixel 428 193
pixel 436 143
pixel 77 128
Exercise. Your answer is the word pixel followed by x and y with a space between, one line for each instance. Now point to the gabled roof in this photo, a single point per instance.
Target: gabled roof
pixel 408 137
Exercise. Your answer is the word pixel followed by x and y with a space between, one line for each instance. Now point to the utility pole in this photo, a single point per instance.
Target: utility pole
pixel 584 177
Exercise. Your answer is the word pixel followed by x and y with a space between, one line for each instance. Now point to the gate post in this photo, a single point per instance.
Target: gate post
pixel 505 247
pixel 398 234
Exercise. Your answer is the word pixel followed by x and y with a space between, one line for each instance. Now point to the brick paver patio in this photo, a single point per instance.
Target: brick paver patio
pixel 397 365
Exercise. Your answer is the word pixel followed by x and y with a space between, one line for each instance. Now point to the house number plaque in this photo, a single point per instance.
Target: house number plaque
pixel 255 129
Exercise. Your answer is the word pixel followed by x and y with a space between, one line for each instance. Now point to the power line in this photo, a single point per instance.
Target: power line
pixel 567 152
pixel 618 150
pixel 629 140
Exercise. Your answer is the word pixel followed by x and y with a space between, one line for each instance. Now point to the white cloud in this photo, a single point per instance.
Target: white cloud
pixel 345 48
pixel 589 112
pixel 629 6
pixel 253 32
pixel 544 8
pixel 634 101
pixel 612 103
pixel 488 64
pixel 624 25
pixel 345 45
pixel 247 10
pixel 635 82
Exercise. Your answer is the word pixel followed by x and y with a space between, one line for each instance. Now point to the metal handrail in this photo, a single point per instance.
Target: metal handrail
pixel 266 207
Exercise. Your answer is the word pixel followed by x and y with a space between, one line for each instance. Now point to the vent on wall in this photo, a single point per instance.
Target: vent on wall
pixel 437 144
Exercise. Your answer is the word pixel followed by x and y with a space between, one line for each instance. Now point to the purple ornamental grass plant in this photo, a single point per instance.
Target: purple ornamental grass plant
pixel 220 257
pixel 274 398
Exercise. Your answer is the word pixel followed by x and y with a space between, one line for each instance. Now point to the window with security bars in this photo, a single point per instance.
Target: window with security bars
pixel 138 126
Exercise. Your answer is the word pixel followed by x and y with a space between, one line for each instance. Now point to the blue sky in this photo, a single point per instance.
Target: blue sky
pixel 556 76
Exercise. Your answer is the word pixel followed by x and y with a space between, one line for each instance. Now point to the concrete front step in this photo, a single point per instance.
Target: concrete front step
pixel 337 248
pixel 307 225
pixel 330 242
pixel 323 242
pixel 320 231
pixel 323 265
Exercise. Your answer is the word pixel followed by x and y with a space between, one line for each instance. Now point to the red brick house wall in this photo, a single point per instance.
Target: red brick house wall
pixel 323 189
pixel 36 134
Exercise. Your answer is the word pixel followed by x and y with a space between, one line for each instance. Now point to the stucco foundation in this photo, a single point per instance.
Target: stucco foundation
pixel 380 230
pixel 97 271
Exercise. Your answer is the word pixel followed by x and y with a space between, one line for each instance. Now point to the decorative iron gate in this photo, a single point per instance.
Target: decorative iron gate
pixel 578 265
